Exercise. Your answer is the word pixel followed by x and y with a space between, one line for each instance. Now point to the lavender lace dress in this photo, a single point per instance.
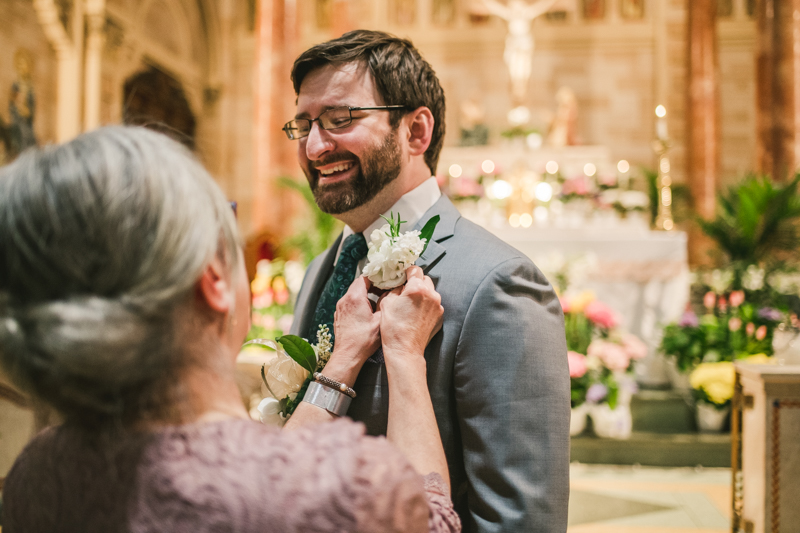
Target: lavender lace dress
pixel 233 475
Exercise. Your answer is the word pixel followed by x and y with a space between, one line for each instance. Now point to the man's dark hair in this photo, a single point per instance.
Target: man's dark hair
pixel 401 76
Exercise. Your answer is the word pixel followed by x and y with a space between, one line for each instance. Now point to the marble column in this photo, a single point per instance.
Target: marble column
pixel 95 39
pixel 276 38
pixel 778 87
pixel 68 46
pixel 702 117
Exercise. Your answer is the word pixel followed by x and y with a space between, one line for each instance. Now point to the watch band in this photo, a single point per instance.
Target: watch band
pixel 327 398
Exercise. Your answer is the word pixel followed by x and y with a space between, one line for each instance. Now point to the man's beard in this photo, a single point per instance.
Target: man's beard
pixel 376 169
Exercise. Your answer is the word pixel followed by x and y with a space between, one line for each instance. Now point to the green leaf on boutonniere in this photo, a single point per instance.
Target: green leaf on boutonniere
pixel 299 350
pixel 427 231
pixel 394 225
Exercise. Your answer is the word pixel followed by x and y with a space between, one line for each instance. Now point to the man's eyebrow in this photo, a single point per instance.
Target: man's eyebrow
pixel 306 115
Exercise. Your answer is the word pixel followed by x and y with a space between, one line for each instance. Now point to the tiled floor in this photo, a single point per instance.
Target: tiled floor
pixel 625 499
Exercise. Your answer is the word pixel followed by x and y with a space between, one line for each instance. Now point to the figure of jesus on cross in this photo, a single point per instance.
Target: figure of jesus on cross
pixel 518 54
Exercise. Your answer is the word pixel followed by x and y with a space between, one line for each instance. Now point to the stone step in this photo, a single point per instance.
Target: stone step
pixel 655 449
pixel 658 411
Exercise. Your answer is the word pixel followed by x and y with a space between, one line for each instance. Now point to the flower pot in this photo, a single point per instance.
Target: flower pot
pixel 710 419
pixel 678 379
pixel 577 421
pixel 610 423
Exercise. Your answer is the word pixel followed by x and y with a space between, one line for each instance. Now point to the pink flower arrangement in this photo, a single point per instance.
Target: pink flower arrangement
pixel 601 315
pixel 577 186
pixel 613 355
pixel 736 298
pixel 577 364
pixel 761 333
pixel 710 300
pixel 735 324
pixel 634 346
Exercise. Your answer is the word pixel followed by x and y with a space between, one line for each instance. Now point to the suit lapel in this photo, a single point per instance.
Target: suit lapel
pixel 448 216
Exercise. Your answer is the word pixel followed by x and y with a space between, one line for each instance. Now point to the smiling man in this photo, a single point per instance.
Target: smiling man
pixel 369 128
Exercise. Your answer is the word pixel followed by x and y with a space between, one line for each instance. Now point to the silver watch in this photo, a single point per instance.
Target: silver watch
pixel 331 400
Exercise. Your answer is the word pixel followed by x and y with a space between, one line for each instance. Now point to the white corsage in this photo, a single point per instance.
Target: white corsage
pixel 391 253
pixel 288 374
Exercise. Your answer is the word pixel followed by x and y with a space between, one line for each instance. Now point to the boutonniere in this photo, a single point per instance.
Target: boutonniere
pixel 391 253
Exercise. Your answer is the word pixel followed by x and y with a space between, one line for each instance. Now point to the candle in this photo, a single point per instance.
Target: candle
pixel 661 123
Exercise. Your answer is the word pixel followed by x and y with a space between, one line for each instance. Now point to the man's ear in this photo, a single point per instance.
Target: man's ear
pixel 420 130
pixel 213 288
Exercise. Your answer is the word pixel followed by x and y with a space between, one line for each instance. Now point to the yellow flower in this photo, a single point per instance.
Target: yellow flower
pixel 715 379
pixel 260 284
pixel 759 359
pixel 578 303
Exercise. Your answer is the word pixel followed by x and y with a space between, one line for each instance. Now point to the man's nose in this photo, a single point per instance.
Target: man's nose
pixel 318 142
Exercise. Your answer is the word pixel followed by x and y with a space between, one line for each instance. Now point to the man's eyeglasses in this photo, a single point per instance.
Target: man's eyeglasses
pixel 334 118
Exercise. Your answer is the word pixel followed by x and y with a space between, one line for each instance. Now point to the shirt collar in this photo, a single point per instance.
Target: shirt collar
pixel 411 206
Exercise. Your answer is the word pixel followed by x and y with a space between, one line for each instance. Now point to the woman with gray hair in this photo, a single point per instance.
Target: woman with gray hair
pixel 123 304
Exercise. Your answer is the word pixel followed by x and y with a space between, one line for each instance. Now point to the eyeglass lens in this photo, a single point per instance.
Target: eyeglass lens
pixel 338 117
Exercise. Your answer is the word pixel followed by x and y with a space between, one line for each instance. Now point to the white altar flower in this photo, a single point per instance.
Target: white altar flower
pixel 391 253
pixel 753 278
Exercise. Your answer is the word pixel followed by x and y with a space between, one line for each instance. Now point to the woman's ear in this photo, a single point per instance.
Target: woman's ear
pixel 420 130
pixel 214 287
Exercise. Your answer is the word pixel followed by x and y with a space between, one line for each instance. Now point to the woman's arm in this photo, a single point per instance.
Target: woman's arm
pixel 357 331
pixel 410 316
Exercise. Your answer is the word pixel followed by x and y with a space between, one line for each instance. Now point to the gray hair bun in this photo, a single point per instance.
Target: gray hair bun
pixel 102 241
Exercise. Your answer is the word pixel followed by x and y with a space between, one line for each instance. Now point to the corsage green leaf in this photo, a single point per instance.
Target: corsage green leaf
pixel 427 231
pixel 299 350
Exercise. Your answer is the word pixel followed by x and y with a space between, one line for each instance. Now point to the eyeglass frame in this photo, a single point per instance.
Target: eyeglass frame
pixel 287 130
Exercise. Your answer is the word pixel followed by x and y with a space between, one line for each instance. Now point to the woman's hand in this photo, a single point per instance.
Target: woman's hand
pixel 357 333
pixel 410 316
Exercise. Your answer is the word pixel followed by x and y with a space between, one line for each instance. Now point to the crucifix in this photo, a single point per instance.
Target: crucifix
pixel 518 54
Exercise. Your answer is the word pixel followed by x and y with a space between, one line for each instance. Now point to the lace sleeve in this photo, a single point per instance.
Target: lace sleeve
pixel 396 497
pixel 443 517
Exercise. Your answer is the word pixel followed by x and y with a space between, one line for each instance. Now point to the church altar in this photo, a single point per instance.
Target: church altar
pixel 642 274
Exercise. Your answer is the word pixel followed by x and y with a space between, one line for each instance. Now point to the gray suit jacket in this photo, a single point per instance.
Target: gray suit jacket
pixel 497 373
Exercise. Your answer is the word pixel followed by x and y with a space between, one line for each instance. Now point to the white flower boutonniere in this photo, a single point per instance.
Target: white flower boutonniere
pixel 391 253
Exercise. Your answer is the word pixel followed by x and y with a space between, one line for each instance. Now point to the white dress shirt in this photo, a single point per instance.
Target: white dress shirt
pixel 411 207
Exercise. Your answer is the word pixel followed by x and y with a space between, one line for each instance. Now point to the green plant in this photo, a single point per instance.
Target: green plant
pixel 756 221
pixel 312 238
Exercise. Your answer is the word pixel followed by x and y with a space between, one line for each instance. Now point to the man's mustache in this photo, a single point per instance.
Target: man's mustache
pixel 333 159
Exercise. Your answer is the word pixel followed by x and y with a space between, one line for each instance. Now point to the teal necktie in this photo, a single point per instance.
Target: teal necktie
pixel 353 249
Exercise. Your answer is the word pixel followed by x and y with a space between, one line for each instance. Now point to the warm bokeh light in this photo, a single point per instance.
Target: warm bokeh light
pixel 661 111
pixel 455 170
pixel 514 220
pixel 544 192
pixel 541 214
pixel 589 169
pixel 623 166
pixel 551 167
pixel 501 189
pixel 525 220
pixel 488 166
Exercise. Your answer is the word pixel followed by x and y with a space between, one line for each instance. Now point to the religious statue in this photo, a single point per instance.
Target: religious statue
pixel 22 104
pixel 564 128
pixel 518 53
